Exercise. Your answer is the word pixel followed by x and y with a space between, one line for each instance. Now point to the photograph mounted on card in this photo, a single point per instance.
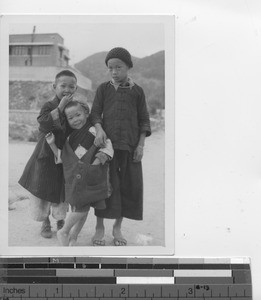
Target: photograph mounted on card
pixel 87 103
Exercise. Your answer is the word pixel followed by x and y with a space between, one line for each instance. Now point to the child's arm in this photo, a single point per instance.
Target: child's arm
pixel 100 139
pixel 106 153
pixel 51 117
pixel 65 100
pixel 144 125
pixel 138 152
pixel 143 115
pixel 100 158
pixel 96 118
pixel 50 139
pixel 107 149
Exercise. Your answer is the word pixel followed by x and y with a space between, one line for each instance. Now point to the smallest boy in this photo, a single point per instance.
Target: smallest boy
pixel 42 177
pixel 85 170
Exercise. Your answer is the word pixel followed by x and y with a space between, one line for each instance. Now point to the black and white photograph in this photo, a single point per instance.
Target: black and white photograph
pixel 198 64
pixel 91 104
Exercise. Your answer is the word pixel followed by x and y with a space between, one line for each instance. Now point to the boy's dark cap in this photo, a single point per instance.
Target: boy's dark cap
pixel 121 54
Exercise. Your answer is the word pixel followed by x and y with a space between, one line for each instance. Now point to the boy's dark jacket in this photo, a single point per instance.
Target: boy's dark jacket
pixel 123 114
pixel 42 177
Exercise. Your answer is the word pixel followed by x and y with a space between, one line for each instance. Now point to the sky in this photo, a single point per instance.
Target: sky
pixel 84 36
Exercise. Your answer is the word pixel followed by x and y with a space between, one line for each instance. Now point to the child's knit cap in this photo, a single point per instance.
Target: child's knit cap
pixel 121 54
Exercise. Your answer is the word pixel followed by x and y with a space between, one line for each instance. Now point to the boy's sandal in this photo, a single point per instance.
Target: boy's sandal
pixel 46 229
pixel 60 224
pixel 119 242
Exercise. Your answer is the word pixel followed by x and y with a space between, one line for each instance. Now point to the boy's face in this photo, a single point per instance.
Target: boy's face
pixel 76 116
pixel 65 85
pixel 118 70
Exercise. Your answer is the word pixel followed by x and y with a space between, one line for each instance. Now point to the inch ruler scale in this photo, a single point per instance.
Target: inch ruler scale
pixel 107 278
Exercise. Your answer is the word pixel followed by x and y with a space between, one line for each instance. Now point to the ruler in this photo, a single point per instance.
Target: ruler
pixel 107 278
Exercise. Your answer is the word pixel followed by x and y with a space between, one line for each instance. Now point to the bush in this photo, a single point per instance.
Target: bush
pixel 153 105
pixel 33 137
pixel 22 132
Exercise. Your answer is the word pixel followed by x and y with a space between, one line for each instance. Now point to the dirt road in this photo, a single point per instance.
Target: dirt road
pixel 23 231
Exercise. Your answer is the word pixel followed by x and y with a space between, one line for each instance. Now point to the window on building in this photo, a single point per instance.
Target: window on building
pixel 18 50
pixel 42 50
pixel 27 50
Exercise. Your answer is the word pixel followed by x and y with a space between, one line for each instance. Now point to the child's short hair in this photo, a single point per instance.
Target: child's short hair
pixel 65 73
pixel 76 102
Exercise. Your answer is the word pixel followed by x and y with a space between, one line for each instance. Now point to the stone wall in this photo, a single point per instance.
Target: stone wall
pixel 28 117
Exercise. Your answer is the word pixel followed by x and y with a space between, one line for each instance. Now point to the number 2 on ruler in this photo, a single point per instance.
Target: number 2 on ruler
pixel 123 291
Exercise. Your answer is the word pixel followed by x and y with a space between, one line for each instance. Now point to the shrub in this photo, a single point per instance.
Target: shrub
pixel 33 137
pixel 22 132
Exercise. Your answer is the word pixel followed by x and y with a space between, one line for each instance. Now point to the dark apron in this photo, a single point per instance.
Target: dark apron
pixel 84 183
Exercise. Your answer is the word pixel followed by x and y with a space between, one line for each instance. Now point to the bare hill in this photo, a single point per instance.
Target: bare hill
pixel 148 72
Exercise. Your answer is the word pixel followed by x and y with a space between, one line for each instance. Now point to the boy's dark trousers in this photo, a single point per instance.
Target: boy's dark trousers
pixel 127 188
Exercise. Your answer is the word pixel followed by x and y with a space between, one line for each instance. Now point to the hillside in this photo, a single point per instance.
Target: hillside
pixel 94 68
pixel 152 66
pixel 31 95
pixel 148 72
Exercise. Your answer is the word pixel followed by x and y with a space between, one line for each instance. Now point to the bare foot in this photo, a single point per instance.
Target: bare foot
pixel 98 238
pixel 72 242
pixel 118 240
pixel 63 238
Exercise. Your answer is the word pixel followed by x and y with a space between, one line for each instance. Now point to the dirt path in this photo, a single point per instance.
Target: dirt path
pixel 23 231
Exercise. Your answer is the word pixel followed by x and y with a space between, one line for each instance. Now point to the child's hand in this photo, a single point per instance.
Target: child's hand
pixel 50 138
pixel 96 162
pixel 138 154
pixel 102 157
pixel 100 139
pixel 65 100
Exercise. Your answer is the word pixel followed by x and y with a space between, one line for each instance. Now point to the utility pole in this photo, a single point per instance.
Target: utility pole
pixel 30 49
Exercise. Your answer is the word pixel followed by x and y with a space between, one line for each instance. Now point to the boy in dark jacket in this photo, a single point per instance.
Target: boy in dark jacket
pixel 120 113
pixel 42 177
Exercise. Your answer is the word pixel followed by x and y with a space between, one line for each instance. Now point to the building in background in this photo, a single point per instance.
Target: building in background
pixel 34 61
pixel 39 57
pixel 46 49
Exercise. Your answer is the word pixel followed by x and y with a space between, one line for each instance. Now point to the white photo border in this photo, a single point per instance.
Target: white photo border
pixel 168 21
